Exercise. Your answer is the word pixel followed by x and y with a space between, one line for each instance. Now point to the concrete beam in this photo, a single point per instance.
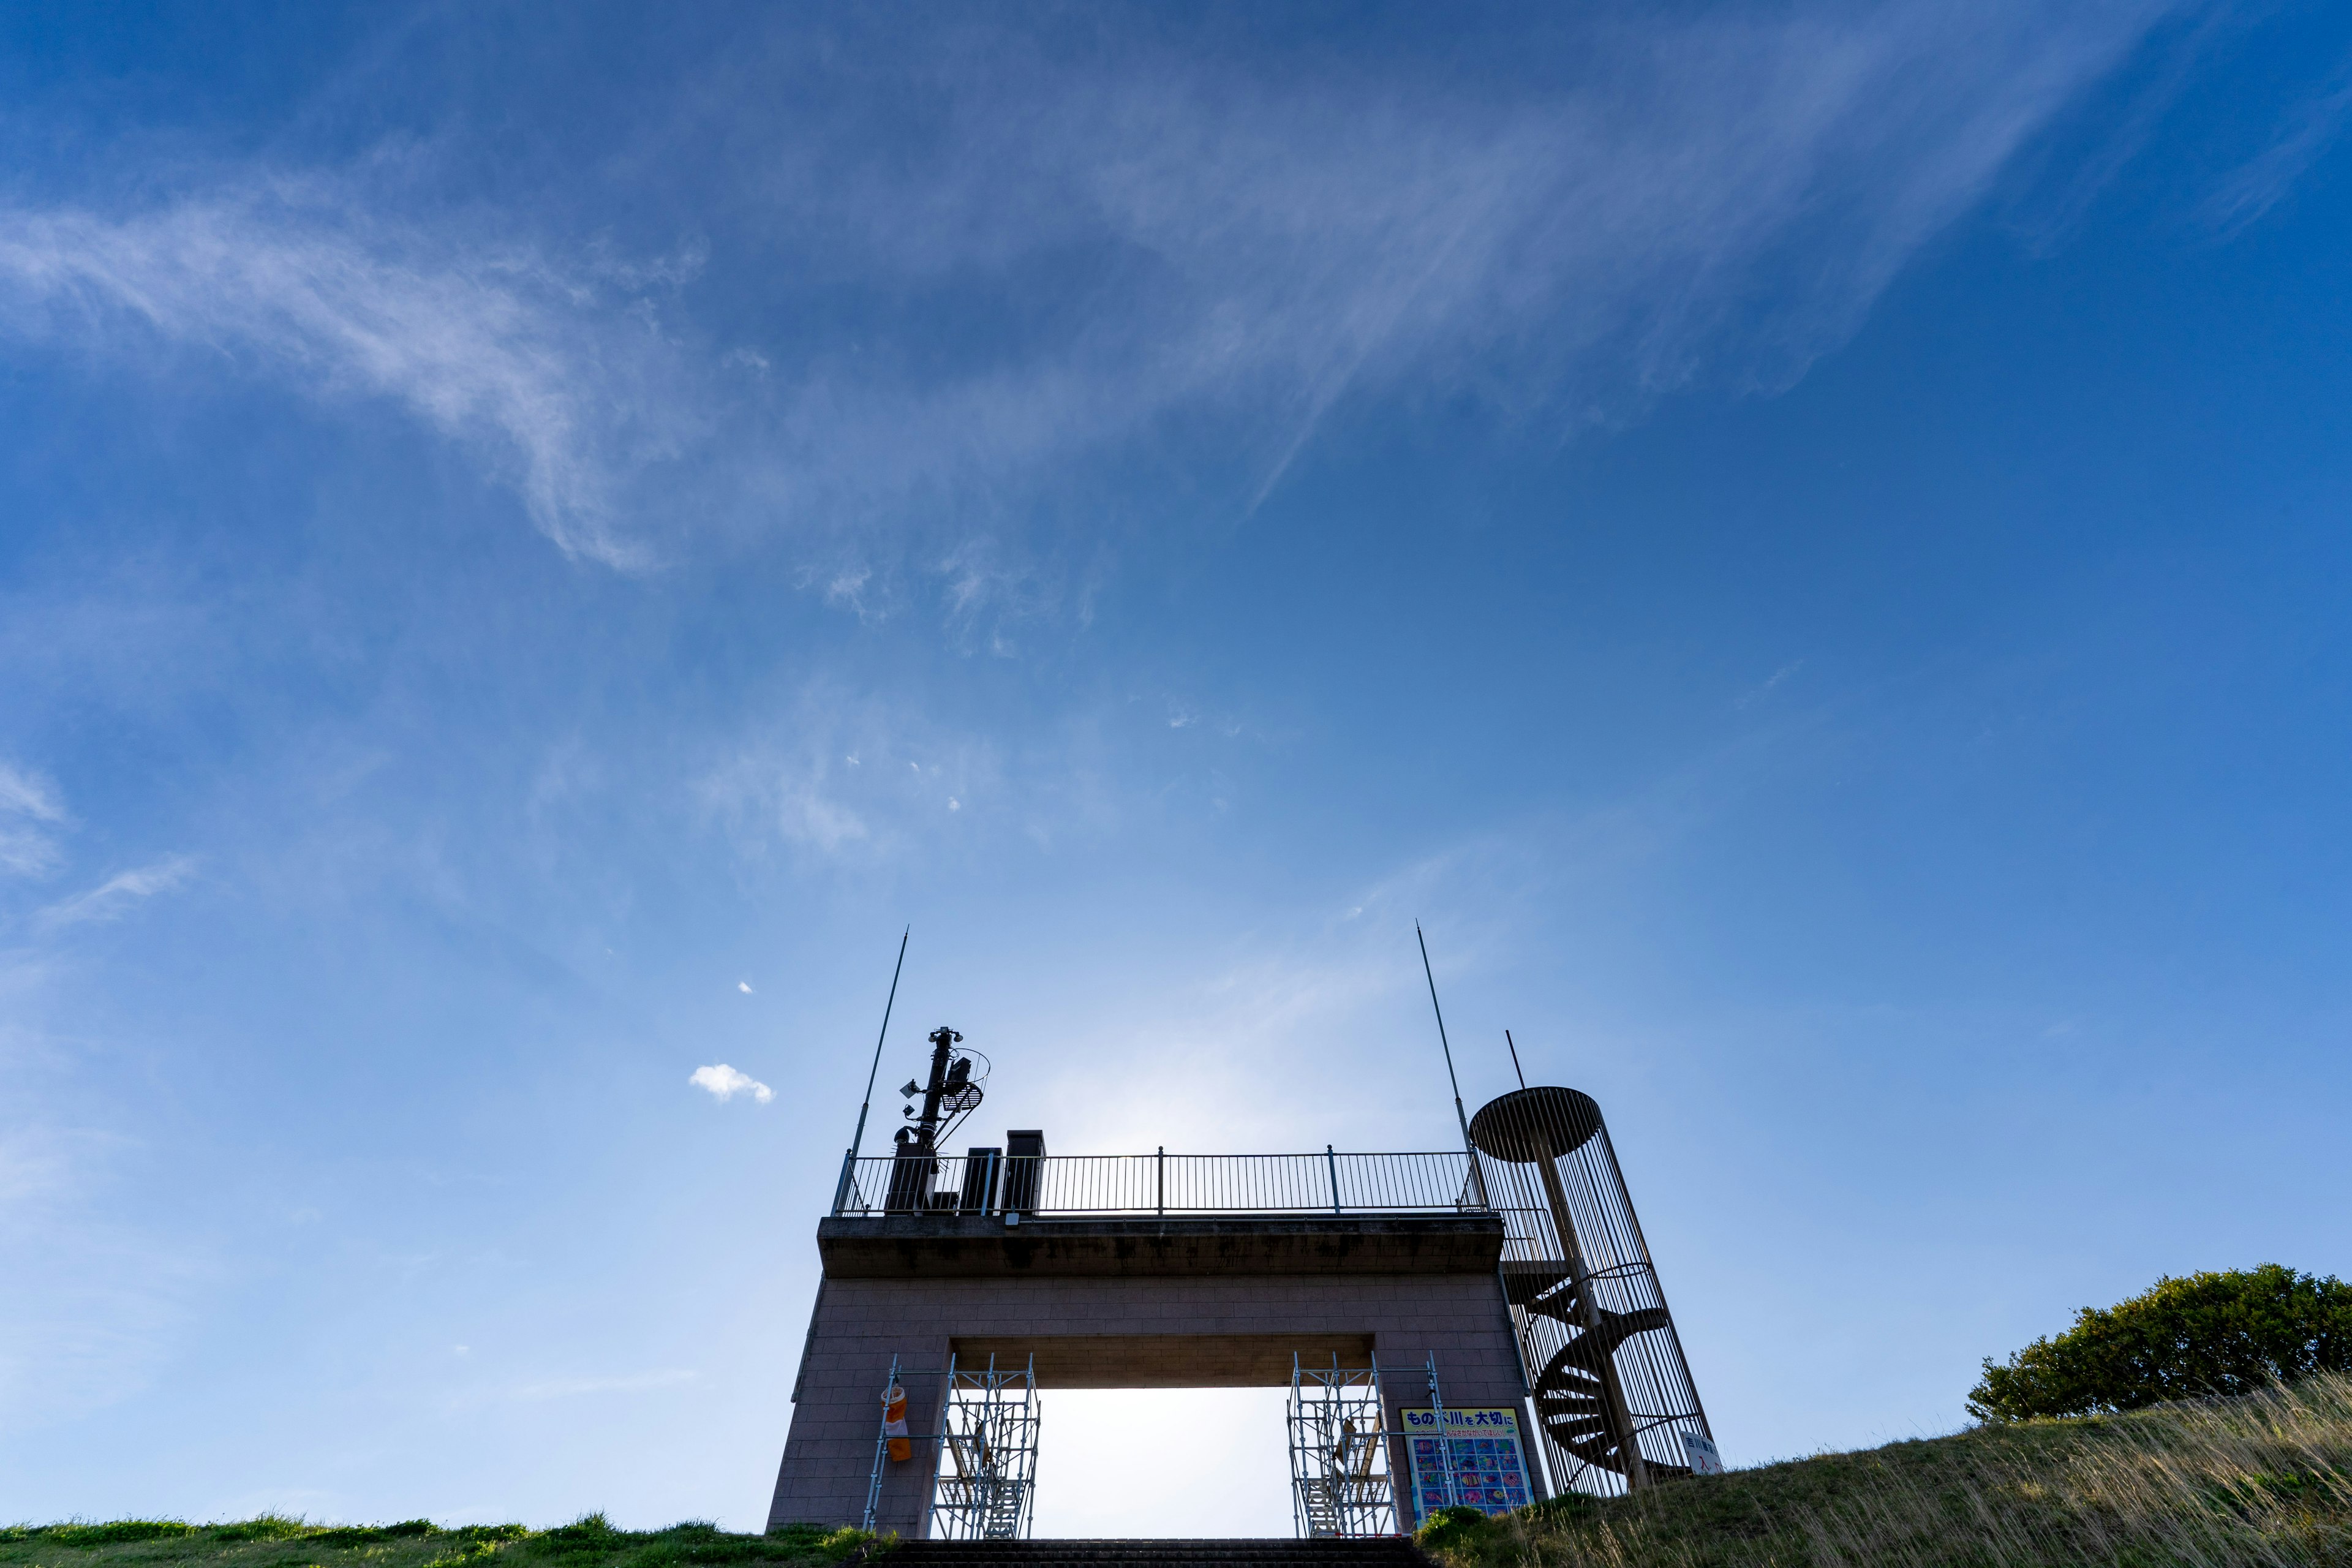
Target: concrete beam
pixel 949 1245
pixel 1164 1361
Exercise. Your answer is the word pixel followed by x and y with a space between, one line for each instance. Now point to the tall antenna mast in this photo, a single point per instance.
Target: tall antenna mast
pixel 857 1139
pixel 1467 1148
pixel 1515 1057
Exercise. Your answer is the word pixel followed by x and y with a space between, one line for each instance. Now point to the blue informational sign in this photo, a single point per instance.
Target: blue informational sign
pixel 1476 1461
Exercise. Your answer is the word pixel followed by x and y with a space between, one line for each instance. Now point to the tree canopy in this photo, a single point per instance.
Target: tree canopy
pixel 2183 1339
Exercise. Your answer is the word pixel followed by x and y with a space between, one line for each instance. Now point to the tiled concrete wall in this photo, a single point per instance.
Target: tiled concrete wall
pixel 861 1324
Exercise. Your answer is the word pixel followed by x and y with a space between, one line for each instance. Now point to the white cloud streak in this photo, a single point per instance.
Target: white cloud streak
pixel 1721 195
pixel 115 896
pixel 90 1306
pixel 483 342
pixel 725 1083
pixel 29 810
pixel 1067 257
pixel 2261 183
pixel 1772 683
pixel 823 778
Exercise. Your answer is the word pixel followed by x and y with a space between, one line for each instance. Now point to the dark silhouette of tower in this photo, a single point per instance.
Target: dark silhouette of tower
pixel 1613 1393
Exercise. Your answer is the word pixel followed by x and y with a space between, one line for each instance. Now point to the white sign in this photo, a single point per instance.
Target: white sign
pixel 1704 1459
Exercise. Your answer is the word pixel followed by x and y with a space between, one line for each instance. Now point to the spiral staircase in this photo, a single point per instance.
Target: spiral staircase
pixel 1571 1398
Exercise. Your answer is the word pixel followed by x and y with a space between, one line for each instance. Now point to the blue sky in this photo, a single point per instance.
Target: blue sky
pixel 1805 543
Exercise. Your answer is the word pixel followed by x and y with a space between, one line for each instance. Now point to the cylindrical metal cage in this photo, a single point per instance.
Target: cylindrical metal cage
pixel 1613 1395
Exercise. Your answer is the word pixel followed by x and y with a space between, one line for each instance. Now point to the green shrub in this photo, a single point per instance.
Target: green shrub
pixel 839 1543
pixel 118 1533
pixel 2207 1334
pixel 588 1527
pixel 829 1544
pixel 480 1547
pixel 797 1535
pixel 1460 1528
pixel 1568 1508
pixel 263 1527
pixel 367 1534
pixel 275 1540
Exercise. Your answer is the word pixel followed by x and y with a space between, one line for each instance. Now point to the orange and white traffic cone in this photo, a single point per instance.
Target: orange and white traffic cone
pixel 894 1422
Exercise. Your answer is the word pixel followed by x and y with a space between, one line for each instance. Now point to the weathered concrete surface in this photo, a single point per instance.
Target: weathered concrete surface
pixel 1125 1303
pixel 1163 1361
pixel 945 1246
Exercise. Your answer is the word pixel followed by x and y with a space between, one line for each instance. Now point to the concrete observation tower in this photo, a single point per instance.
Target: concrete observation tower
pixel 1480 1325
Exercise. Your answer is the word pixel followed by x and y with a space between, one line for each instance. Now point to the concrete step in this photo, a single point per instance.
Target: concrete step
pixel 1273 1552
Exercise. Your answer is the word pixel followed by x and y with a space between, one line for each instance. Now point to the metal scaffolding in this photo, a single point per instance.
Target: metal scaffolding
pixel 983 1457
pixel 986 1484
pixel 1340 1480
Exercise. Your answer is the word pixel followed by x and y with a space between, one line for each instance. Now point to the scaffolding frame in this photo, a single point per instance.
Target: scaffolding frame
pixel 984 1486
pixel 1343 1476
pixel 983 1455
pixel 1342 1484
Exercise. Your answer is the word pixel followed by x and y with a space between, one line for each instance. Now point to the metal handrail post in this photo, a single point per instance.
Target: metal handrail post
pixel 841 1188
pixel 1333 1160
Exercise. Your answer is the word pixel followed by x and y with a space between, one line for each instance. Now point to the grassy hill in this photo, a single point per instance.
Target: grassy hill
pixel 2260 1481
pixel 2264 1481
pixel 274 1543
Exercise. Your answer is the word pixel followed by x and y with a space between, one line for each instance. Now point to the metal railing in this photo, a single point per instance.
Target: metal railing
pixel 1160 1184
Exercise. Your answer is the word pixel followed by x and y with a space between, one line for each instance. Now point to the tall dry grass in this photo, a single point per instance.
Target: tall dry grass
pixel 2262 1481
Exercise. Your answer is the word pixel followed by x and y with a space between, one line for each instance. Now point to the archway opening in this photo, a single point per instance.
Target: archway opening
pixel 1163 1462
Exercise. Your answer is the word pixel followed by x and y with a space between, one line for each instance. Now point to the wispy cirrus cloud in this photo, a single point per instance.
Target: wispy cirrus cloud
pixel 843 775
pixel 115 896
pixel 2257 186
pixel 1719 195
pixel 1074 257
pixel 30 814
pixel 481 339
pixel 92 1301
